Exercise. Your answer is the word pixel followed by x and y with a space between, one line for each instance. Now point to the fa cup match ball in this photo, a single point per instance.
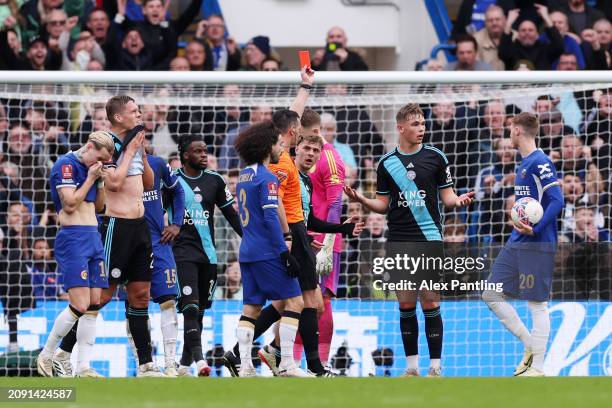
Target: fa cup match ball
pixel 527 210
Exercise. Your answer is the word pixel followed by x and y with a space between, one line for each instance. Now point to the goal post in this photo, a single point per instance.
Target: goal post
pixel 43 115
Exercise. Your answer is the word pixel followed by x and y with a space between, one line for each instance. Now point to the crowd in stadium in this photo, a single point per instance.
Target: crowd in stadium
pixel 576 128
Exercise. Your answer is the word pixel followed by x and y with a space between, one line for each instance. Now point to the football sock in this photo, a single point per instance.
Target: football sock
pixel 409 328
pixel 244 335
pixel 64 321
pixel 298 348
pixel 138 319
pixel 268 316
pixel 86 337
pixel 434 331
pixel 287 330
pixel 309 332
pixel 70 339
pixel 192 333
pixel 539 332
pixel 169 329
pixel 326 330
pixel 507 316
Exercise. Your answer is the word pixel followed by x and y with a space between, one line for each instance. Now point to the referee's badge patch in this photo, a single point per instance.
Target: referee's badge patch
pixel 187 290
pixel 411 174
pixel 83 275
pixel 116 272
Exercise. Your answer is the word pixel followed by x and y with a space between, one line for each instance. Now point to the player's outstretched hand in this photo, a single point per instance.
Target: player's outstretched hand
pixel 351 193
pixel 465 199
pixel 307 75
pixel 170 233
pixel 524 229
pixel 359 224
pixel 292 265
pixel 95 170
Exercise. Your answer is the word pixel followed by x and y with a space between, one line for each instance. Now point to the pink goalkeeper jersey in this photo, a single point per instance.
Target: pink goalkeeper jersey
pixel 327 178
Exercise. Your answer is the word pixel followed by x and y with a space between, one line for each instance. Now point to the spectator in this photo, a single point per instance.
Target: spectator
pixel 46 280
pixel 450 136
pixel 371 245
pixel 270 64
pixel 199 56
pixel 574 196
pixel 180 64
pixel 15 281
pixel 471 16
pixel 50 139
pixel 581 16
pixel 336 56
pixel 93 121
pixel 571 41
pixel 489 37
pixel 38 56
pixel 83 51
pixel 597 45
pixel 10 16
pixel 599 129
pixel 586 227
pixel 98 24
pixel 133 55
pixel 493 127
pixel 567 62
pixel 552 130
pixel 455 231
pixel 493 185
pixel 22 152
pixel 159 36
pixel 34 14
pixel 228 158
pixel 328 131
pixel 231 282
pixel 225 52
pixel 576 158
pixel 154 119
pixel 229 117
pixel 466 51
pixel 527 46
pixel 354 126
pixel 55 24
pixel 257 50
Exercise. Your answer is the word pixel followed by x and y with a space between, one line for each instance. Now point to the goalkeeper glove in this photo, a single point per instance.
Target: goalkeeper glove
pixel 325 257
pixel 292 265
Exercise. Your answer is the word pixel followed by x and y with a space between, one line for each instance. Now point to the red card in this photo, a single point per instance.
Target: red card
pixel 304 58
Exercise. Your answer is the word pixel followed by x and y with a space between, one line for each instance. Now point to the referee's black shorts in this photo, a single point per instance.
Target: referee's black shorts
pixel 128 252
pixel 303 253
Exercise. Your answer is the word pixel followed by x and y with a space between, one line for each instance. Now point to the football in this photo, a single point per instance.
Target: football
pixel 527 210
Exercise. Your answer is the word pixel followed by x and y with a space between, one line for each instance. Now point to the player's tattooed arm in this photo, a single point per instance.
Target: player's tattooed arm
pixel 380 204
pixel 72 198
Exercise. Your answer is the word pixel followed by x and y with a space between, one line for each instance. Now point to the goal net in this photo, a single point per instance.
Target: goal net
pixel 469 122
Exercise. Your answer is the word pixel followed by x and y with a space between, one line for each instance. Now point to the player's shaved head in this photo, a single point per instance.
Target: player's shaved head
pixel 254 145
pixel 528 122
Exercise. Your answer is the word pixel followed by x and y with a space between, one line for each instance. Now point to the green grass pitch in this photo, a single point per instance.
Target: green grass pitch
pixel 338 393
